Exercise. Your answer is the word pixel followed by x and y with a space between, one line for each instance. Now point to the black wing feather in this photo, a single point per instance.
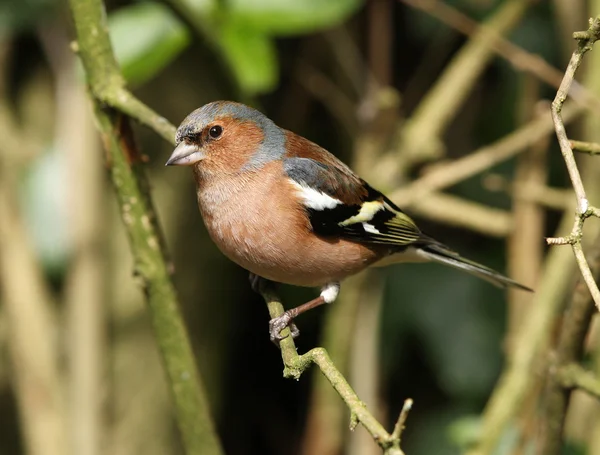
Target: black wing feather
pixel 364 214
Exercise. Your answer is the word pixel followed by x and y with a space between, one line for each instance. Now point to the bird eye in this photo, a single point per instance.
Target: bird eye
pixel 215 131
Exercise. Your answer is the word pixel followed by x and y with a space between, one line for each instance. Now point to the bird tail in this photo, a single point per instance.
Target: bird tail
pixel 437 252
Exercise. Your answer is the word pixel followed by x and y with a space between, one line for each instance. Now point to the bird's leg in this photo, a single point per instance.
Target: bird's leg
pixel 258 285
pixel 329 293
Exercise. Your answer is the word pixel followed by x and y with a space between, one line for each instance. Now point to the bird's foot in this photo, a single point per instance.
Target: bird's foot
pixel 276 325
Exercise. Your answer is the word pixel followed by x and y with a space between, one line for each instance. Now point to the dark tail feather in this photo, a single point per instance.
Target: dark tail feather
pixel 439 253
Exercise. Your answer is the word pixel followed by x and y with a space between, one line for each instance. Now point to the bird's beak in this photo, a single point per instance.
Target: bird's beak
pixel 185 155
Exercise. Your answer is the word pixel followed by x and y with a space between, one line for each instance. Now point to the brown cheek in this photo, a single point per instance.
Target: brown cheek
pixel 234 150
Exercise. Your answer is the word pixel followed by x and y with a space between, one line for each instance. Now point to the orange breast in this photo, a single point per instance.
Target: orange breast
pixel 261 226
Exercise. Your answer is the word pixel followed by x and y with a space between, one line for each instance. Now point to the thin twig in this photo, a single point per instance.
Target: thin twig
pixel 585 40
pixel 518 378
pixel 399 427
pixel 419 138
pixel 481 159
pixel 518 57
pixel 295 365
pixel 576 376
pixel 591 148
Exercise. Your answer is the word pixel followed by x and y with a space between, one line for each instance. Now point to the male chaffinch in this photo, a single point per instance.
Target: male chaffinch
pixel 289 211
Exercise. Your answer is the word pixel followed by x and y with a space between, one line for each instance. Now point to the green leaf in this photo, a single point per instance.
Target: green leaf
pixel 251 56
pixel 146 37
pixel 291 17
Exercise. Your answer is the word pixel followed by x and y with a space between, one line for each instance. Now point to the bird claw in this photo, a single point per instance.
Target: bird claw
pixel 276 325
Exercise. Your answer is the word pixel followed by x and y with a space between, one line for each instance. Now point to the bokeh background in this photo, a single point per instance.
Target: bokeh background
pixel 351 75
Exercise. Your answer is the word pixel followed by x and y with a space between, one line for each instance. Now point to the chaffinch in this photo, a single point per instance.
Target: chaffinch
pixel 289 211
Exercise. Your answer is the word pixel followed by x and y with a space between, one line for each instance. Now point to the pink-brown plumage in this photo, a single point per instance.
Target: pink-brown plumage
pixel 287 210
pixel 255 224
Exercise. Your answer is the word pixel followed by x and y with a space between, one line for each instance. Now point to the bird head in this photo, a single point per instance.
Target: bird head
pixel 224 136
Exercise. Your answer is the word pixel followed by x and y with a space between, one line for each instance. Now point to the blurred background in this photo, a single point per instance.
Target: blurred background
pixel 397 89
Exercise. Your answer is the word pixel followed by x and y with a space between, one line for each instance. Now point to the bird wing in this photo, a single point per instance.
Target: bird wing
pixel 339 203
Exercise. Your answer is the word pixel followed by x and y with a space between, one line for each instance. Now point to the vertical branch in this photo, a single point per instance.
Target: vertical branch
pixel 585 42
pixel 380 40
pixel 569 15
pixel 191 404
pixel 106 83
pixel 525 250
pixel 31 331
pixel 365 360
pixel 85 282
pixel 518 377
pixel 591 164
pixel 574 329
pixel 27 305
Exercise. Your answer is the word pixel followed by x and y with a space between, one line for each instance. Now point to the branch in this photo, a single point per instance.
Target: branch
pixel 518 378
pixel 518 57
pixel 108 88
pixel 295 365
pixel 564 372
pixel 549 197
pixel 585 40
pixel 324 430
pixel 575 376
pixel 455 211
pixel 525 252
pixel 27 303
pixel 591 148
pixel 481 159
pixel 419 137
pixel 85 284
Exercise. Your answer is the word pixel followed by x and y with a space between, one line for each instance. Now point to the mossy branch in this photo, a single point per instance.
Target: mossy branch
pixel 295 365
pixel 112 99
pixel 109 96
